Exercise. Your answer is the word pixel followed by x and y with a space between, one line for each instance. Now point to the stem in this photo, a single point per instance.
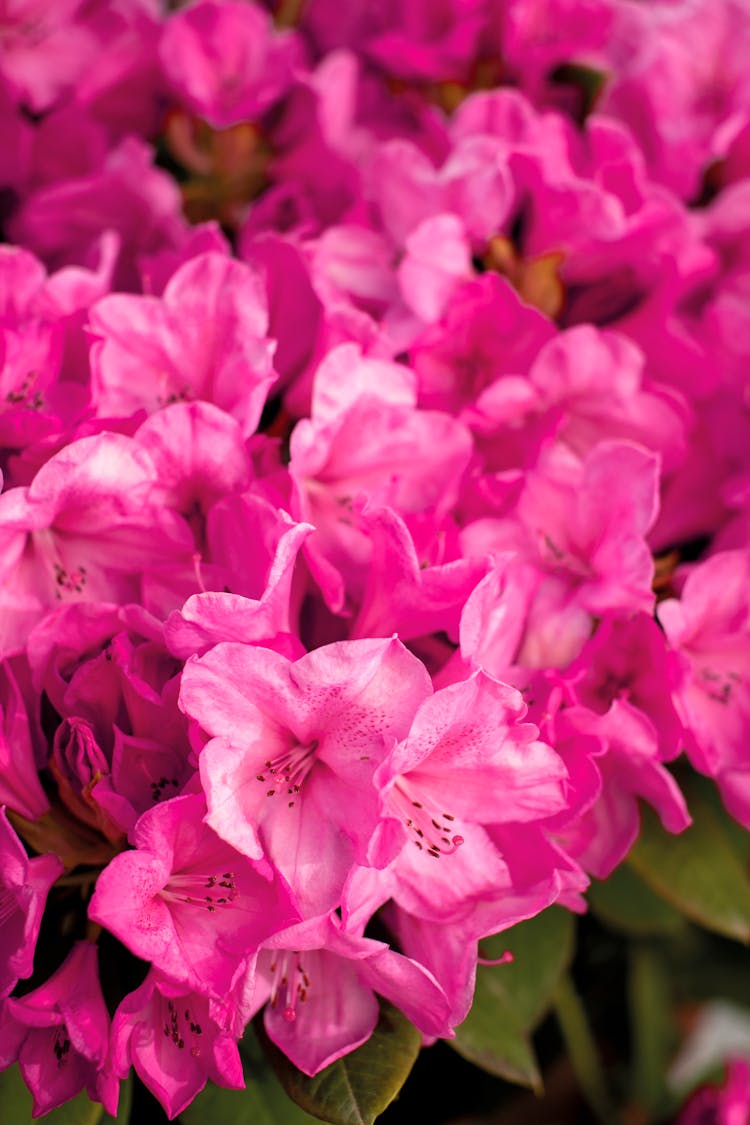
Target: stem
pixel 582 1051
pixel 649 1026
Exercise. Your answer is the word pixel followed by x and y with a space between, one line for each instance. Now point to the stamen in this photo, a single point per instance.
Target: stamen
pixel 719 685
pixel 73 581
pixel 61 1047
pixel 433 830
pixel 179 1032
pixel 289 770
pixel 192 890
pixel 65 579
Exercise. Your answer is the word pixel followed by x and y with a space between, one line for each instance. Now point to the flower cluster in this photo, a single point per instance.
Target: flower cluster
pixel 368 373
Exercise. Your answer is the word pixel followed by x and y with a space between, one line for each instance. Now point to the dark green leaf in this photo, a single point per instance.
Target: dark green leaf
pixel 357 1088
pixel 699 871
pixel 625 903
pixel 511 999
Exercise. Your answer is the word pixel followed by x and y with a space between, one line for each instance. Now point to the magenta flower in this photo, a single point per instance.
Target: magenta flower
pixel 176 1041
pixel 83 531
pixel 579 530
pixel 728 1104
pixel 63 221
pixel 365 438
pixel 186 901
pixel 320 984
pixel 62 1032
pixel 408 592
pixel 20 788
pixel 224 60
pixel 24 884
pixel 627 760
pixel 708 626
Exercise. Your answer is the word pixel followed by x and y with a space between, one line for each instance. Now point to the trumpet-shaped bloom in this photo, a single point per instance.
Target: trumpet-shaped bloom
pixel 188 902
pixel 175 1039
pixel 320 983
pixel 294 744
pixel 62 1031
pixel 204 338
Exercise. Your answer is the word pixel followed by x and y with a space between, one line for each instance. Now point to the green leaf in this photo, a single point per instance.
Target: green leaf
pixel 263 1102
pixel 16 1105
pixel 699 871
pixel 511 999
pixel 260 1104
pixel 357 1088
pixel 625 903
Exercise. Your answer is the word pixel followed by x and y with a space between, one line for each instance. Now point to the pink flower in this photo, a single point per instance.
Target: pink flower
pixel 474 183
pixel 83 531
pixel 186 901
pixel 320 983
pixel 437 258
pixel 486 333
pixel 709 627
pixel 63 1027
pixel 628 762
pixel 175 1039
pixel 62 222
pixel 225 61
pixel 365 438
pixel 583 387
pixel 45 50
pixel 726 1105
pixel 628 659
pixel 411 588
pixel 24 884
pixel 425 40
pixel 205 338
pixel 20 788
pixel 467 762
pixel 258 546
pixel 580 531
pixel 293 747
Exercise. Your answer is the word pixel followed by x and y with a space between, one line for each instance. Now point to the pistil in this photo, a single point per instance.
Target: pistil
pixel 291 983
